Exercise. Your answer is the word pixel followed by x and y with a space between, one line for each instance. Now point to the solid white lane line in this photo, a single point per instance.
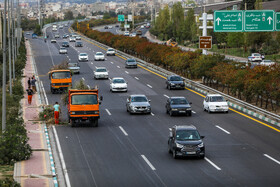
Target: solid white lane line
pixel 126 72
pixel 149 86
pixel 118 67
pixel 109 113
pixel 210 162
pixel 222 129
pixel 273 159
pixel 193 112
pixel 152 114
pixel 136 78
pixel 123 131
pixel 148 162
pixel 83 78
pixel 166 96
pixel 88 86
pixel 112 62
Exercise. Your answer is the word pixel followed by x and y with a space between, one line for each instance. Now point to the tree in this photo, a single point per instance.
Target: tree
pixel 68 15
pixel 177 20
pixel 235 39
pixel 250 4
pixel 189 23
pixel 37 30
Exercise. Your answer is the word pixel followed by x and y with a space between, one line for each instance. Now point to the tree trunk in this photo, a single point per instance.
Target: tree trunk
pixel 257 99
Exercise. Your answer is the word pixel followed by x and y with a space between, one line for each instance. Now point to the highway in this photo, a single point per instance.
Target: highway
pixel 131 150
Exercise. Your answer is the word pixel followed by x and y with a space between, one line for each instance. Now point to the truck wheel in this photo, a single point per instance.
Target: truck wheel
pixel 94 123
pixel 72 123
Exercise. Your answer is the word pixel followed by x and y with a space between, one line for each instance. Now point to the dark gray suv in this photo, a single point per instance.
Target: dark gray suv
pixel 138 104
pixel 185 140
pixel 175 82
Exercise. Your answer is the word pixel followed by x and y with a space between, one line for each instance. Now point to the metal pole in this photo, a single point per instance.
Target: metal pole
pixel 18 26
pixel 133 16
pixel 125 23
pixel 9 46
pixel 4 72
pixel 204 31
pixel 13 38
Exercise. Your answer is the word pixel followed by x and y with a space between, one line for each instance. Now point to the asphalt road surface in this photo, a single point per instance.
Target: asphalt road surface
pixel 131 150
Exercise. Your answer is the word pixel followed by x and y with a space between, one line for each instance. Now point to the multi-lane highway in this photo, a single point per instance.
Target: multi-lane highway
pixel 131 150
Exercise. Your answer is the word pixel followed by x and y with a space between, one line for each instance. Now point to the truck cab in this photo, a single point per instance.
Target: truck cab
pixel 83 105
pixel 61 80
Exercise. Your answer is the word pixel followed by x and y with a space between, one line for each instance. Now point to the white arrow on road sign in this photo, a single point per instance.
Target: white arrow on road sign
pixel 218 20
pixel 269 19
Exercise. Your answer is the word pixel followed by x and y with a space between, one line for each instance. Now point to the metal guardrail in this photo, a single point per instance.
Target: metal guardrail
pixel 193 84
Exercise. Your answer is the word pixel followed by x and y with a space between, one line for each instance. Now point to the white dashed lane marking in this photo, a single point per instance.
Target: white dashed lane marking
pixel 124 132
pixel 149 86
pixel 136 78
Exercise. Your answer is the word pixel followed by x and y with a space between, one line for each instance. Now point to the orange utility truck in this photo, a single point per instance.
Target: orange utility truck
pixel 61 80
pixel 83 105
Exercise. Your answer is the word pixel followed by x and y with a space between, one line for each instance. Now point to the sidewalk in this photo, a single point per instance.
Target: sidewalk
pixel 36 171
pixel 153 39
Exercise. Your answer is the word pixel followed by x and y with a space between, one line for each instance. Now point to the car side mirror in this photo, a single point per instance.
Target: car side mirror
pixel 149 101
pixel 202 137
pixel 170 134
pixel 190 103
pixel 127 100
pixel 101 98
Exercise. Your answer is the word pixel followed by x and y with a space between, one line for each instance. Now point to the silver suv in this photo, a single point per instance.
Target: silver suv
pixel 138 104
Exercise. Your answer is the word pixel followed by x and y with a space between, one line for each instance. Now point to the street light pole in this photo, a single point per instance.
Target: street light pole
pixel 4 71
pixel 13 38
pixel 9 46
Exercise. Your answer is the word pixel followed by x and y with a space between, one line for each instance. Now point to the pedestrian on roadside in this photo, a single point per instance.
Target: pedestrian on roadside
pixel 29 95
pixel 29 82
pixel 33 81
pixel 56 112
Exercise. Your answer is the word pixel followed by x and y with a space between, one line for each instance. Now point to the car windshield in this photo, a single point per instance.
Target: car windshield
pixel 183 135
pixel 110 49
pixel 83 54
pixel 267 61
pixel 73 64
pixel 175 78
pixel 179 101
pixel 99 53
pixel 139 99
pixel 79 43
pixel 101 70
pixel 217 99
pixel 62 48
pixel 116 81
pixel 65 42
pixel 131 60
pixel 61 75
pixel 256 54
pixel 84 99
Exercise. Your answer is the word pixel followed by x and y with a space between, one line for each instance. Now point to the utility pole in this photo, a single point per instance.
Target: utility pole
pixel 1 36
pixel 4 71
pixel 18 26
pixel 9 46
pixel 13 39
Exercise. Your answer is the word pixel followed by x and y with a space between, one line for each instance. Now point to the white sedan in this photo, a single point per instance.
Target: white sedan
pixel 99 56
pixel 83 57
pixel 215 103
pixel 110 51
pixel 118 84
pixel 78 38
pixel 72 39
pixel 101 73
pixel 62 50
pixel 267 63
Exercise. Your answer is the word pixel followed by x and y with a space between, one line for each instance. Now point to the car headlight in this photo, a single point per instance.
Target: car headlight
pixel 200 145
pixel 211 106
pixel 189 108
pixel 72 112
pixel 179 145
pixel 175 109
pixel 172 84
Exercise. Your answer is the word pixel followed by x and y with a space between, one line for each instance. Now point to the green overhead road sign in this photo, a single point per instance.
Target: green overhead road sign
pixel 258 20
pixel 277 21
pixel 120 17
pixel 228 21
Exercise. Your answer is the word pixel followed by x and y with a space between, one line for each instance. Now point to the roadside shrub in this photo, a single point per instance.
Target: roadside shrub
pixel 9 182
pixel 47 114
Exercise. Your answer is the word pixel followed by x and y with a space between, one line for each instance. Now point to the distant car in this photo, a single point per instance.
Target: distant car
pixel 142 27
pixel 99 56
pixel 185 140
pixel 267 63
pixel 78 37
pixel 61 26
pixel 138 32
pixel 53 40
pixel 178 105
pixel 62 50
pixel 83 57
pixel 131 63
pixel 101 73
pixel 65 36
pixel 79 44
pixel 72 39
pixel 215 103
pixel 255 57
pixel 54 29
pixel 74 67
pixel 65 44
pixel 117 26
pixel 126 33
pixel 110 52
pixel 138 104
pixel 27 33
pixel 175 82
pixel 132 34
pixel 110 27
pixel 56 36
pixel 34 36
pixel 118 84
pixel 106 27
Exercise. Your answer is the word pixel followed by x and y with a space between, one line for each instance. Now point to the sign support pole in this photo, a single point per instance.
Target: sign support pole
pixel 204 31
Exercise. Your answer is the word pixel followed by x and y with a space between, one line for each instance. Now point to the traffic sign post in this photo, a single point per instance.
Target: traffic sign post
pixel 228 21
pixel 205 42
pixel 277 21
pixel 121 18
pixel 258 20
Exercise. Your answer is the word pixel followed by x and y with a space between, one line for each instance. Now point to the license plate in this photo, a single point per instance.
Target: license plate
pixel 182 111
pixel 84 118
pixel 190 153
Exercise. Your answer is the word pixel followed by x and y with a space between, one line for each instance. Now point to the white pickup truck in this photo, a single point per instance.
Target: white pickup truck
pixel 255 57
